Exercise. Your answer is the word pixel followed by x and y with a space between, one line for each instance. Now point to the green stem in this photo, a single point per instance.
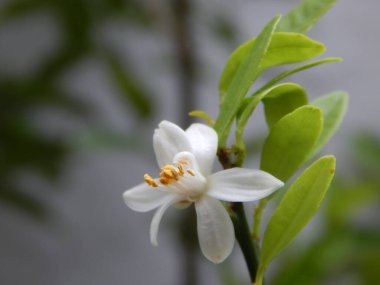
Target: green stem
pixel 257 217
pixel 242 230
pixel 243 236
pixel 241 150
pixel 260 278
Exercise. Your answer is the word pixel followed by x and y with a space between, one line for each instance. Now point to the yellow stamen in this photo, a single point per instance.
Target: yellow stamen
pixel 167 167
pixel 149 180
pixel 180 170
pixel 175 174
pixel 169 174
pixel 165 181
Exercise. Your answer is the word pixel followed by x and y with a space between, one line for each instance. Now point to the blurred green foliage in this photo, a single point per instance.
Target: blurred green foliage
pixel 23 147
pixel 348 243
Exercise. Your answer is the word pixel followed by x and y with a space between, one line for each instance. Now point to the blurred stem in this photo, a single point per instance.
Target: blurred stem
pixel 183 41
pixel 185 58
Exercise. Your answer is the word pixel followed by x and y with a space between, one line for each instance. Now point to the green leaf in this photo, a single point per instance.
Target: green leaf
pixel 291 141
pixel 283 99
pixel 275 94
pixel 249 104
pixel 247 107
pixel 295 70
pixel 246 74
pixel 298 206
pixel 285 48
pixel 333 106
pixel 304 16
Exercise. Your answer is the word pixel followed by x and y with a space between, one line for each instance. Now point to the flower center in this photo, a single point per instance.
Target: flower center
pixel 179 178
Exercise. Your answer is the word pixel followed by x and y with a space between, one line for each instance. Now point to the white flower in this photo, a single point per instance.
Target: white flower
pixel 186 159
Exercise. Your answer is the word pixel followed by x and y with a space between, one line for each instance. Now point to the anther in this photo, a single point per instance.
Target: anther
pixel 167 174
pixel 165 181
pixel 167 167
pixel 180 170
pixel 175 174
pixel 149 180
pixel 170 174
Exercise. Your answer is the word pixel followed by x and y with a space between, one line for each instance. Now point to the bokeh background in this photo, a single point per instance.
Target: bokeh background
pixel 83 84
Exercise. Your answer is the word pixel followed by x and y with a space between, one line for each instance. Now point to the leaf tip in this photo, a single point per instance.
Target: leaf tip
pixel 202 115
pixel 320 46
pixel 278 17
pixel 332 160
pixel 313 109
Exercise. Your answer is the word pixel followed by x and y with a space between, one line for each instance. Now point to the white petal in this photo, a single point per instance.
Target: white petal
pixel 204 142
pixel 242 185
pixel 155 224
pixel 190 158
pixel 143 198
pixel 215 230
pixel 168 140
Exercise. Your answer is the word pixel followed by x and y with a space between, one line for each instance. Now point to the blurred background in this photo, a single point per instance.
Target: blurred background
pixel 84 83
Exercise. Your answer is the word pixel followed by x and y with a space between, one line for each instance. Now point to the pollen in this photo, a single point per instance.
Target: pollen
pixel 191 172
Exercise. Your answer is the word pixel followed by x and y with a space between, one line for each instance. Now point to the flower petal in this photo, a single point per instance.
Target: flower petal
pixel 168 140
pixel 242 185
pixel 204 142
pixel 155 224
pixel 215 230
pixel 189 158
pixel 143 198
